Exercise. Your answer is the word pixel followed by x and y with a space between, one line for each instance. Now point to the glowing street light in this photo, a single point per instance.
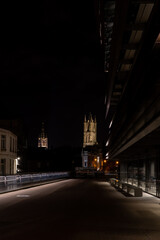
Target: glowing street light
pixel 17 163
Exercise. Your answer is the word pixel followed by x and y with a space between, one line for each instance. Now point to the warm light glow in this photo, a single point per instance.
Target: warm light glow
pixel 107 143
pixel 117 162
pixel 95 159
pixel 105 161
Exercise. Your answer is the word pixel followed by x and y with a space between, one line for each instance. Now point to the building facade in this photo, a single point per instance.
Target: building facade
pixel 92 156
pixel 131 66
pixel 8 152
pixel 90 131
pixel 43 139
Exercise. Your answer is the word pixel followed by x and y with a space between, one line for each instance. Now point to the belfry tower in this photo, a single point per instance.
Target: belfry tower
pixel 90 131
pixel 42 139
pixel 92 156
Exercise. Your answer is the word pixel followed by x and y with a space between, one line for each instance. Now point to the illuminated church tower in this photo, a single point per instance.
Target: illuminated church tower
pixel 90 131
pixel 42 139
pixel 92 155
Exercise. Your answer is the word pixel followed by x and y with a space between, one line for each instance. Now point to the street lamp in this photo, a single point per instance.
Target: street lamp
pixel 17 163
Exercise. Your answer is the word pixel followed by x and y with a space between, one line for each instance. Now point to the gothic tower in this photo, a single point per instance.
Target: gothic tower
pixel 90 131
pixel 42 139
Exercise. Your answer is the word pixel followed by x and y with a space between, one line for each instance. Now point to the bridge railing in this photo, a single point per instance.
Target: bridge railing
pixel 20 179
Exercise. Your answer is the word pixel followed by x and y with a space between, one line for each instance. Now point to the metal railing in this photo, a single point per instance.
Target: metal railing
pixel 21 179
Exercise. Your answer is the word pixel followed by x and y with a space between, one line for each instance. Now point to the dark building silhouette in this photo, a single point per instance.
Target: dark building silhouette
pixel 129 36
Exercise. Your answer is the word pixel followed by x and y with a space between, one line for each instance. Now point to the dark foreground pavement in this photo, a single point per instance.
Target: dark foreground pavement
pixel 78 210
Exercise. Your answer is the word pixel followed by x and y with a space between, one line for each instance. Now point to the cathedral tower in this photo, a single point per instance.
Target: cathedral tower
pixel 90 131
pixel 42 139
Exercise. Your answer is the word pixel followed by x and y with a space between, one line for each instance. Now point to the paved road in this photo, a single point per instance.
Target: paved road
pixel 78 210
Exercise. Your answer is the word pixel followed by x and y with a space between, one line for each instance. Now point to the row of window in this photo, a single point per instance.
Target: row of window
pixel 12 146
pixel 3 166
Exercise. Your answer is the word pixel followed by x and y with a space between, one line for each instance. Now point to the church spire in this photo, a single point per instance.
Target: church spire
pixel 90 117
pixel 90 131
pixel 43 140
pixel 42 130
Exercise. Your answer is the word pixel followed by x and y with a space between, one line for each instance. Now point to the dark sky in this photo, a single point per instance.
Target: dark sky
pixel 51 67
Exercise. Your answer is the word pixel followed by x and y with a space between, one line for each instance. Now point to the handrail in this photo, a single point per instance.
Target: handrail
pixel 29 178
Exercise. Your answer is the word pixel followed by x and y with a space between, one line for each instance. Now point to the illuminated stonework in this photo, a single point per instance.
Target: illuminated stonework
pixel 42 139
pixel 92 156
pixel 90 132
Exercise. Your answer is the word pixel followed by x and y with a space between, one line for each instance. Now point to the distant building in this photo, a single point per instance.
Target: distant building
pixel 42 139
pixel 8 152
pixel 17 127
pixel 90 131
pixel 92 156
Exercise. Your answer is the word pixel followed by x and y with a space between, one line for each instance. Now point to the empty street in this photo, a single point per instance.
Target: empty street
pixel 78 209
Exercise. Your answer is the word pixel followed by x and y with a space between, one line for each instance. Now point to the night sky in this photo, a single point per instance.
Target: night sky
pixel 51 68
